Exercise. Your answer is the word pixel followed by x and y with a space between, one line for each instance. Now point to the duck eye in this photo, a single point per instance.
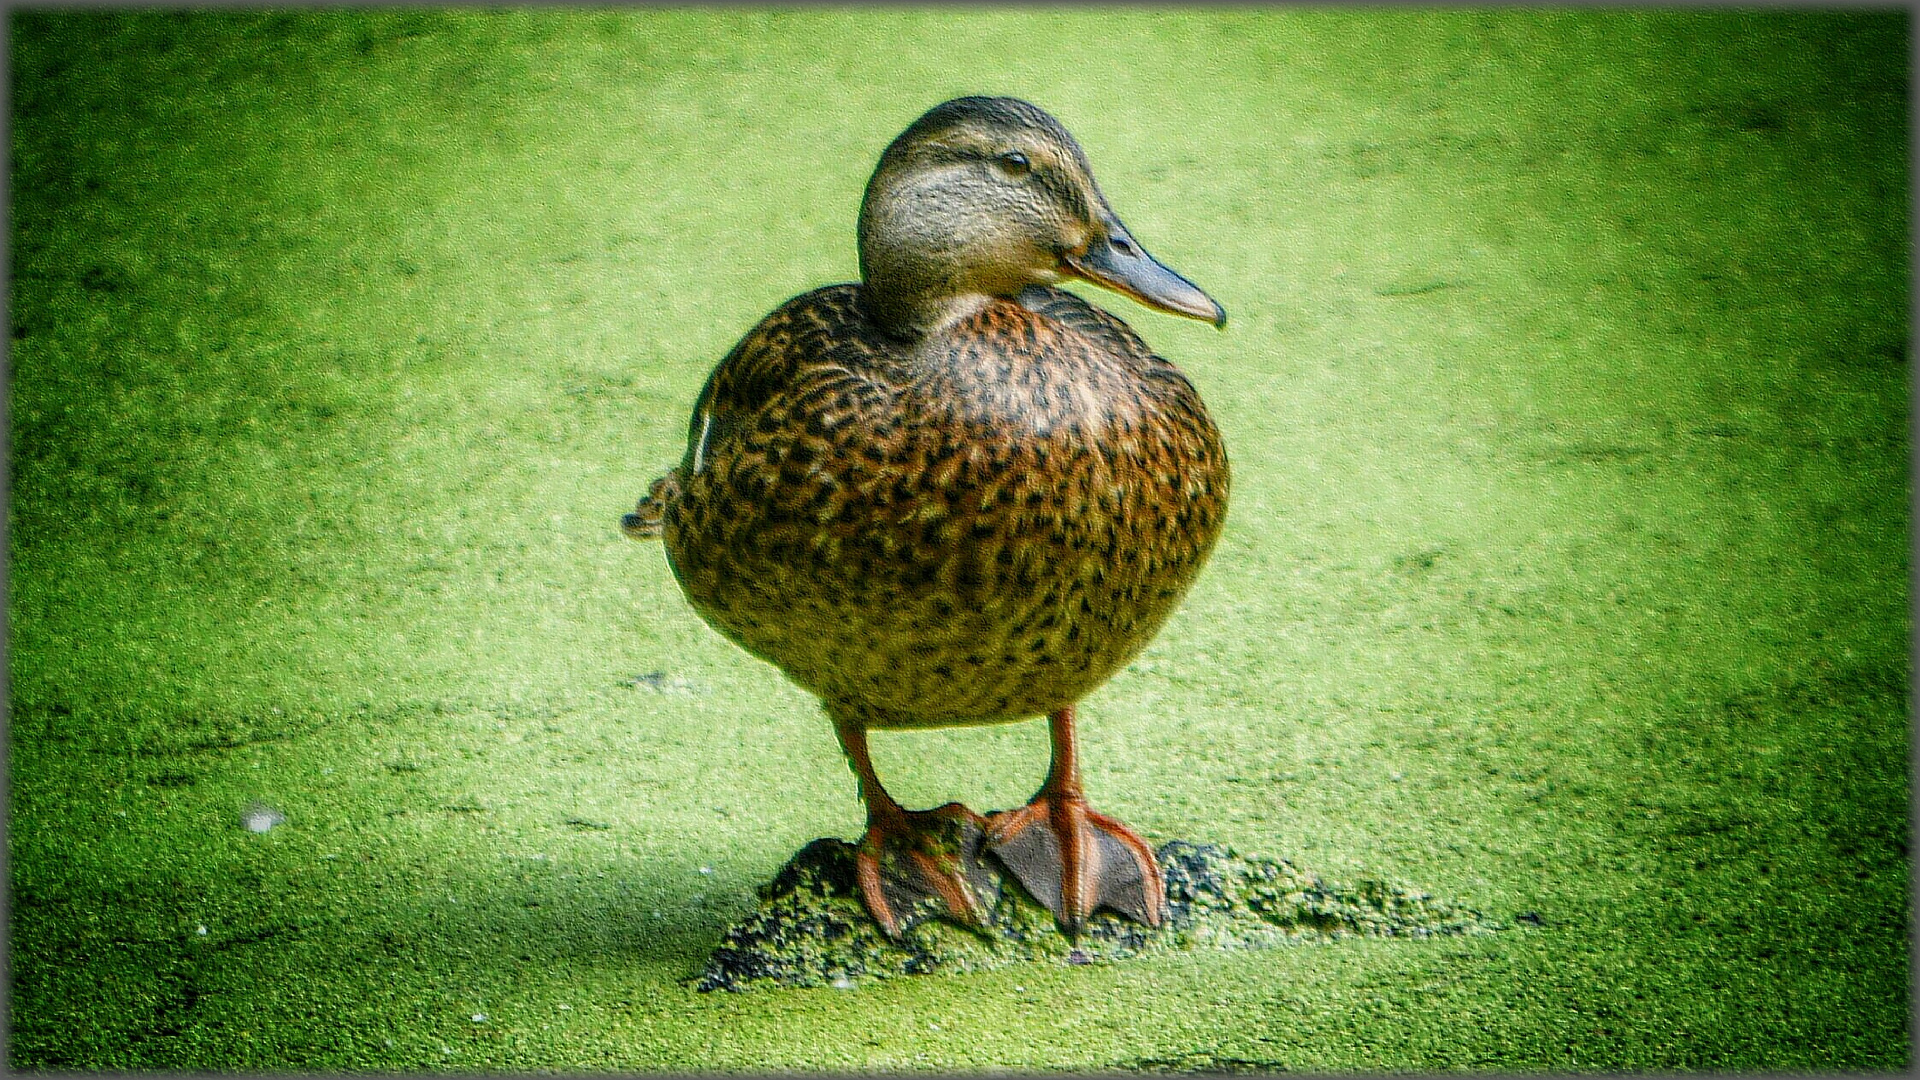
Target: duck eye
pixel 1015 163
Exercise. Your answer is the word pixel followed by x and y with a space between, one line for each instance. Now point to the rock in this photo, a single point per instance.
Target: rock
pixel 812 930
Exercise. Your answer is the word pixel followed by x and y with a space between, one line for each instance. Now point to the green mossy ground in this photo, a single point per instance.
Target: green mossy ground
pixel 811 928
pixel 1566 385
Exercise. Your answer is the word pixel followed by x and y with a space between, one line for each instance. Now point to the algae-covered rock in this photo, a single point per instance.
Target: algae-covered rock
pixel 812 930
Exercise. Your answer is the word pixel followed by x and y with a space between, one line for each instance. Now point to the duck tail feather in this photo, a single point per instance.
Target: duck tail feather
pixel 649 517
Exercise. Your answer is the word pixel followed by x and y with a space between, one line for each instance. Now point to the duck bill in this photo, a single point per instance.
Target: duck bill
pixel 1116 262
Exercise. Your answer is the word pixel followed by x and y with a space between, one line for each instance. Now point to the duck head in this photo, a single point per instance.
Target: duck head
pixel 982 197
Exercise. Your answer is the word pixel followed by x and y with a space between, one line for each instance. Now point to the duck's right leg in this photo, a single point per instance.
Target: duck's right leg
pixel 914 863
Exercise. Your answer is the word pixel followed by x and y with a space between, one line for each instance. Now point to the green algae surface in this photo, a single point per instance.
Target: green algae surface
pixel 811 928
pixel 1566 578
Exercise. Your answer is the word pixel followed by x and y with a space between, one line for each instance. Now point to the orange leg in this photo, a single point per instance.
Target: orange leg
pixel 1069 856
pixel 908 856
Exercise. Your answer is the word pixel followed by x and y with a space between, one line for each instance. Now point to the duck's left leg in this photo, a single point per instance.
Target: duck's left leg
pixel 1071 857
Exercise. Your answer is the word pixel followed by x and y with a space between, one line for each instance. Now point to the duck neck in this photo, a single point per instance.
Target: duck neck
pixel 910 313
pixel 918 256
pixel 906 294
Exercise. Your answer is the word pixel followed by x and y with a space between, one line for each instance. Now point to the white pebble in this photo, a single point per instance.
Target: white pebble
pixel 260 818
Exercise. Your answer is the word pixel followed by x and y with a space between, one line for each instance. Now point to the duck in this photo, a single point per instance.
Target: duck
pixel 954 493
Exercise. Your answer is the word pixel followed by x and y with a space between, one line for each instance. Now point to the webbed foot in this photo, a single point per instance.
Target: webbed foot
pixel 917 864
pixel 1071 857
pixel 1076 860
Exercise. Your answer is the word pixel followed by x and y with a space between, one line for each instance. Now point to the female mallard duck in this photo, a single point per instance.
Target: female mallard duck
pixel 953 494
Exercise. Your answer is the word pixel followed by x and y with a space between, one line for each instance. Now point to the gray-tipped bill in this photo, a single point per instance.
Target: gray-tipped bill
pixel 1118 263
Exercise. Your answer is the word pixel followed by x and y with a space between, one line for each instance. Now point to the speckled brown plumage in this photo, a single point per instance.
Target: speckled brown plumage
pixel 965 505
pixel 977 528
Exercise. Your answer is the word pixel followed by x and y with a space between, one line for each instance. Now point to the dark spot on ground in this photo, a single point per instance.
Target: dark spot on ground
pixel 103 279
